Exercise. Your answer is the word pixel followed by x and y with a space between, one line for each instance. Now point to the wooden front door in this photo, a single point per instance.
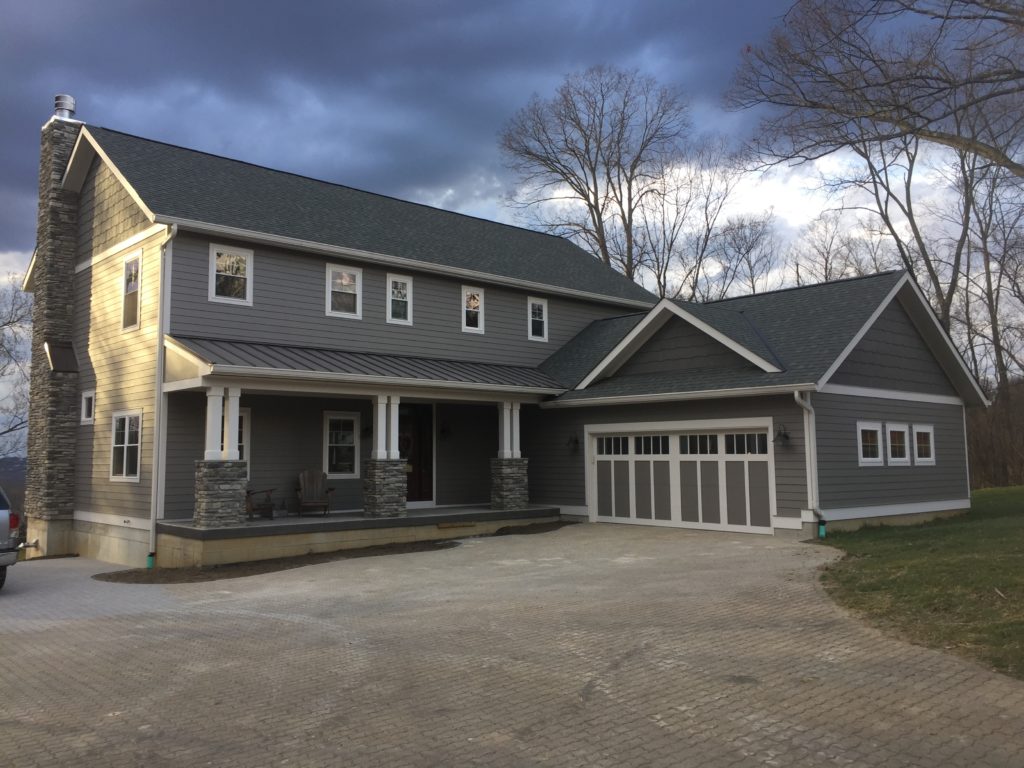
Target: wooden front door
pixel 416 447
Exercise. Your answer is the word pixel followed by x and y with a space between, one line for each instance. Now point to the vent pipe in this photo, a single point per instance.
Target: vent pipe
pixel 64 106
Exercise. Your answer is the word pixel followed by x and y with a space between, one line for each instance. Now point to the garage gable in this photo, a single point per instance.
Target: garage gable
pixel 678 346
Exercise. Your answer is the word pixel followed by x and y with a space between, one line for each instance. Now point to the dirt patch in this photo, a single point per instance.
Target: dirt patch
pixel 523 530
pixel 238 570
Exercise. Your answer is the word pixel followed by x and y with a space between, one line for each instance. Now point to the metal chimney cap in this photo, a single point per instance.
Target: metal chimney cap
pixel 64 106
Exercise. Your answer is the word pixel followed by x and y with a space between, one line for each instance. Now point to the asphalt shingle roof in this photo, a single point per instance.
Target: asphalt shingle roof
pixel 182 183
pixel 576 359
pixel 312 359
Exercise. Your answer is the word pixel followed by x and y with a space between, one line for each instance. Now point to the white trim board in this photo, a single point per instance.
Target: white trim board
pixel 889 394
pixel 108 518
pixel 890 510
pixel 76 171
pixel 665 397
pixel 124 245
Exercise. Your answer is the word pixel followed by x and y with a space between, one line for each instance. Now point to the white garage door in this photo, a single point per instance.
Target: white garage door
pixel 712 479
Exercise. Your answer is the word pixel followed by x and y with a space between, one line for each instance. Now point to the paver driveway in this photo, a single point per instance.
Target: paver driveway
pixel 592 645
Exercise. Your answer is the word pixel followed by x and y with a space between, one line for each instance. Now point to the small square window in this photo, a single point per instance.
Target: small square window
pixel 89 406
pixel 537 319
pixel 344 291
pixel 399 300
pixel 472 310
pixel 230 275
pixel 132 281
pixel 897 444
pixel 924 445
pixel 869 444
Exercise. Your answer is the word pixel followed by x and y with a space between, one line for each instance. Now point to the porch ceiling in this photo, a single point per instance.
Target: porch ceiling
pixel 249 359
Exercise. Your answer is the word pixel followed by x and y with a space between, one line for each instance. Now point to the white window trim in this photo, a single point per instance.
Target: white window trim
pixel 86 394
pixel 212 288
pixel 466 289
pixel 927 462
pixel 137 254
pixel 889 428
pixel 358 314
pixel 408 285
pixel 530 301
pixel 113 431
pixel 328 415
pixel 861 461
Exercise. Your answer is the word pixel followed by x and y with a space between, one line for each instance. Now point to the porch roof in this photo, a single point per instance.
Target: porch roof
pixel 245 358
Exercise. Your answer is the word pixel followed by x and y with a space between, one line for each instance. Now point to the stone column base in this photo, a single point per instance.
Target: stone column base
pixel 509 484
pixel 384 487
pixel 220 494
pixel 56 536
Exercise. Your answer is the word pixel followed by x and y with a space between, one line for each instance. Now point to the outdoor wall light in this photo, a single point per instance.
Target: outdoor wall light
pixel 781 435
pixel 444 432
pixel 573 443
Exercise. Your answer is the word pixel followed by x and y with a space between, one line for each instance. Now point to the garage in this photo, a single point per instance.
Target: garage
pixel 705 475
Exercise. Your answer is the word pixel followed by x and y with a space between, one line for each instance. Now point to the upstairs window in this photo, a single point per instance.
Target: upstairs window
pixel 472 309
pixel 399 300
pixel 869 444
pixel 898 444
pixel 230 275
pixel 344 291
pixel 124 459
pixel 132 281
pixel 924 445
pixel 537 319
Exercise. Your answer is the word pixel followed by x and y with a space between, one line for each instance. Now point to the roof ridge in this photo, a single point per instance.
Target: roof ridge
pixel 800 288
pixel 334 184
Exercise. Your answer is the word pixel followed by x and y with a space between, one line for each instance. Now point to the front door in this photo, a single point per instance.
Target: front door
pixel 416 448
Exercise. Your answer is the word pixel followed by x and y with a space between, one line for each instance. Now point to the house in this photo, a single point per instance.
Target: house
pixel 205 326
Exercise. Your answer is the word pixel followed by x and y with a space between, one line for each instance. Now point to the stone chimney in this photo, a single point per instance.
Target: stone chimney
pixel 53 405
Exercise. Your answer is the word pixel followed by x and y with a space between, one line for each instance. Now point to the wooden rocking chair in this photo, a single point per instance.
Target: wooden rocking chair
pixel 313 491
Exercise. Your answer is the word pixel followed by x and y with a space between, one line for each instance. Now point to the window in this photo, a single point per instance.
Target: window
pixel 472 310
pixel 399 300
pixel 896 440
pixel 647 445
pixel 243 437
pixel 124 459
pixel 612 446
pixel 538 319
pixel 230 275
pixel 698 444
pixel 130 291
pixel 869 443
pixel 750 442
pixel 924 445
pixel 344 291
pixel 89 406
pixel 341 445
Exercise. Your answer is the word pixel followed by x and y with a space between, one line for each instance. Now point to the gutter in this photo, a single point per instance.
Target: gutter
pixel 662 397
pixel 811 458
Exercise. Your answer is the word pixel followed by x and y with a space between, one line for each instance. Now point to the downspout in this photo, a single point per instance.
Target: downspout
pixel 811 459
pixel 159 398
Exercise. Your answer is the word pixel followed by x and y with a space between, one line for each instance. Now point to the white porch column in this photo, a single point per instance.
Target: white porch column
pixel 380 427
pixel 505 430
pixel 516 453
pixel 231 423
pixel 214 422
pixel 393 401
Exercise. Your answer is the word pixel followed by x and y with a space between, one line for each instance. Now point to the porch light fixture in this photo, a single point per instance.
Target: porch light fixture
pixel 781 435
pixel 573 443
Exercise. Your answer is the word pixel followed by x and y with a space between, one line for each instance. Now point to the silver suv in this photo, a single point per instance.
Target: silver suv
pixel 10 522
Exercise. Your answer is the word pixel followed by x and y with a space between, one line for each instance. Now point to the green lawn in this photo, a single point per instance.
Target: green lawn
pixel 954 584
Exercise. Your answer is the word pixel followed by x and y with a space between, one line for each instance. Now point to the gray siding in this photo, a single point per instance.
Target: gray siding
pixel 842 483
pixel 467 440
pixel 892 355
pixel 288 308
pixel 678 346
pixel 107 214
pixel 557 471
pixel 119 365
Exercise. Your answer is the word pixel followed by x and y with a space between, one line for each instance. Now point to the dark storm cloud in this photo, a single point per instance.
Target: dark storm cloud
pixel 404 98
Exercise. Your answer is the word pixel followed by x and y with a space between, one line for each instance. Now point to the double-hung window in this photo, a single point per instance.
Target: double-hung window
pixel 537 319
pixel 472 309
pixel 230 275
pixel 125 446
pixel 399 300
pixel 924 445
pixel 869 444
pixel 897 444
pixel 130 285
pixel 341 445
pixel 344 291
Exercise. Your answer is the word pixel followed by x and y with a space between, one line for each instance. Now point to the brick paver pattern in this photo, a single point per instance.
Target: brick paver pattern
pixel 589 646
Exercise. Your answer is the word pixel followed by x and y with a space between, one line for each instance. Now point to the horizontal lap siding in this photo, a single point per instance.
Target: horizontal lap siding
pixel 557 470
pixel 842 483
pixel 119 365
pixel 892 355
pixel 678 346
pixel 289 300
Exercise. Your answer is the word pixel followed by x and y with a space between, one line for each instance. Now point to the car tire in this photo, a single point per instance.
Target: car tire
pixel 3 575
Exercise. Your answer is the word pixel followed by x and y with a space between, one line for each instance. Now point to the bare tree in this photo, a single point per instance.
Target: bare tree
pixel 747 253
pixel 588 158
pixel 15 317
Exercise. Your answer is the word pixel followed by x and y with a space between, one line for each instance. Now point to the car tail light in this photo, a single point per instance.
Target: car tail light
pixel 15 521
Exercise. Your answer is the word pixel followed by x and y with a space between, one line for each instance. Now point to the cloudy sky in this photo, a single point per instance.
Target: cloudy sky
pixel 400 97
